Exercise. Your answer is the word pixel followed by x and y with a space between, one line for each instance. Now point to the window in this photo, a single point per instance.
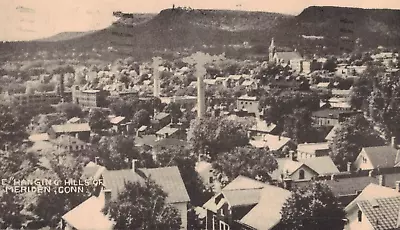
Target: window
pixel 211 180
pixel 214 223
pixel 359 216
pixel 223 225
pixel 301 174
pixel 364 160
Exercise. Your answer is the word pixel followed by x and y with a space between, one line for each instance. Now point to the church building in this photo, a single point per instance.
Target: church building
pixel 292 58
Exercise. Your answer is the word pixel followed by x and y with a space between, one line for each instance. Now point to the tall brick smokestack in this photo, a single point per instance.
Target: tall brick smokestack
pixel 199 60
pixel 157 61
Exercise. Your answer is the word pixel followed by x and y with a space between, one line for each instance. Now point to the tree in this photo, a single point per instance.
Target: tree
pixel 12 125
pixel 42 122
pixel 330 65
pixel 174 110
pixel 98 120
pixel 186 162
pixel 247 161
pixel 11 206
pixel 116 152
pixel 213 135
pixel 70 110
pixel 353 134
pixel 312 207
pixel 63 167
pixel 141 117
pixel 143 206
pixel 298 126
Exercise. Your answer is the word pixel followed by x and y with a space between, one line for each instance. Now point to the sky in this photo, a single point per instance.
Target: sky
pixel 32 19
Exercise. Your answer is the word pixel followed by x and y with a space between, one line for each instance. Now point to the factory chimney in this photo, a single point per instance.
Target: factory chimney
pixel 157 61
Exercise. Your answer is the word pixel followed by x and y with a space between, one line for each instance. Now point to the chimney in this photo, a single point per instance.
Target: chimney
pixel 371 173
pixel 398 186
pixel 107 196
pixel 333 176
pixel 394 142
pixel 381 180
pixel 134 164
pixel 96 160
pixel 292 155
pixel 287 183
pixel 348 166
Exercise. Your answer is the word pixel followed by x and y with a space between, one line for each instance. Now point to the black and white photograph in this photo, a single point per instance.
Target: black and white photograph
pixel 199 115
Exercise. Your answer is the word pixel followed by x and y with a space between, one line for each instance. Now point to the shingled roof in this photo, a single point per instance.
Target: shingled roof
pixel 381 156
pixel 170 180
pixel 383 213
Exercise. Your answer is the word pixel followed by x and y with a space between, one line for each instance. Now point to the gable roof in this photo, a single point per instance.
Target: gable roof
pixel 89 216
pixel 287 166
pixel 116 120
pixel 382 213
pixel 167 130
pixel 312 147
pixel 160 116
pixel 272 199
pixel 242 191
pixel 115 180
pixel 71 128
pixel 287 56
pixel 262 126
pixel 372 191
pixel 170 180
pixel 271 141
pixel 381 156
pixel 39 137
pixel 332 133
pixel 321 165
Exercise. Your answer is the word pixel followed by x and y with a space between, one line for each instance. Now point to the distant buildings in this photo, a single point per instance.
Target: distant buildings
pixel 248 104
pixel 88 97
pixel 35 100
pixel 331 117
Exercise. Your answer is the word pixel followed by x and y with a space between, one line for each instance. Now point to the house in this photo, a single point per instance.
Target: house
pixel 380 213
pixel 378 157
pixel 160 120
pixel 235 80
pixel 288 168
pixel 310 150
pixel 261 128
pixel 331 117
pixel 303 169
pixel 117 123
pixel 33 101
pixel 168 178
pixel 272 199
pixel 206 172
pixel 167 132
pixel 248 104
pixel 289 82
pixel 250 84
pixel 81 131
pixel 39 137
pixel 339 103
pixel 75 120
pixel 346 186
pixel 68 143
pixel 272 142
pixel 356 219
pixel 233 202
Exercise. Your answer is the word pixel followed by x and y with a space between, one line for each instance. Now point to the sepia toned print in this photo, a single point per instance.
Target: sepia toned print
pixel 199 115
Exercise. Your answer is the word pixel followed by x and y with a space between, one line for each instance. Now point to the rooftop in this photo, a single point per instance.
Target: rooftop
pixel 382 156
pixel 271 141
pixel 272 199
pixel 312 147
pixel 382 213
pixel 170 180
pixel 322 165
pixel 71 128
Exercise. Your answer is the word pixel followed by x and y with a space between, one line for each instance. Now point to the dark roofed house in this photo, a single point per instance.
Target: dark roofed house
pixel 381 213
